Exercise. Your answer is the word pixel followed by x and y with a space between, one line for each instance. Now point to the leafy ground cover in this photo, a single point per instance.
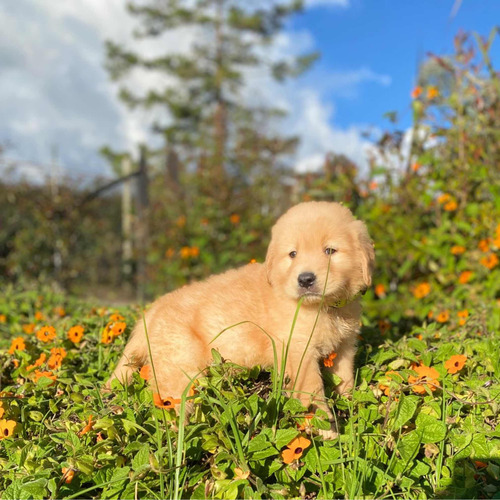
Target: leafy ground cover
pixel 422 421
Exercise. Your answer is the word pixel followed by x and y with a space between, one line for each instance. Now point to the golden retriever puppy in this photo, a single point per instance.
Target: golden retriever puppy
pixel 318 253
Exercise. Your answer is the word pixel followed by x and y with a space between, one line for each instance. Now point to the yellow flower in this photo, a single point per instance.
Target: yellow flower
pixel 432 92
pixel 185 252
pixel 7 428
pixel 295 449
pixel 239 474
pixel 17 345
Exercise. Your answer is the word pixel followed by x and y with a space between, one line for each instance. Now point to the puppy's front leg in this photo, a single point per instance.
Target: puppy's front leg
pixel 309 388
pixel 343 365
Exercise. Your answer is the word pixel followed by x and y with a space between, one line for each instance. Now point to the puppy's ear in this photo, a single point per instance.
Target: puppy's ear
pixel 366 251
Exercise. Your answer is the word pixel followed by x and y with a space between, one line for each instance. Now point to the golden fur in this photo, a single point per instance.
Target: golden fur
pixel 181 325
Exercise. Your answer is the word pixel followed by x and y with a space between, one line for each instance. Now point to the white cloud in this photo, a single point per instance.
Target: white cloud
pixel 52 56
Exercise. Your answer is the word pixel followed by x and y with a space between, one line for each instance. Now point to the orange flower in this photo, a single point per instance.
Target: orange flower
pixel 75 334
pixel 107 336
pixel 46 333
pixel 17 345
pixel 427 377
pixel 432 92
pixel 2 411
pixel 29 328
pixel 118 328
pixel 295 449
pixel 306 422
pixel 380 290
pixel 235 219
pixel 68 475
pixel 457 250
pixel 463 315
pixel 116 317
pixel 373 185
pixel 185 252
pixel 39 362
pixel 386 388
pixel 465 277
pixel 252 261
pixel 204 221
pixel 490 261
pixel 420 336
pixel 145 372
pixel 39 316
pixel 328 361
pixel 443 316
pixel 7 428
pixel 88 427
pixel 480 465
pixel 416 92
pixel 194 252
pixel 445 197
pixel 415 166
pixel 484 245
pixel 48 374
pixel 422 290
pixel 240 474
pixel 451 206
pixel 455 363
pixel 57 354
pixel 383 326
pixel 167 403
pixel 60 311
pixel 169 253
pixel 3 318
pixel 181 221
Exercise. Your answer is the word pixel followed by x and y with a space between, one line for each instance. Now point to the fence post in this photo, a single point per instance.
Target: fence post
pixel 126 221
pixel 142 233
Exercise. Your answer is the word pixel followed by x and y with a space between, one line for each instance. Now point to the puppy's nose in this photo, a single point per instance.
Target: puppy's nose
pixel 306 280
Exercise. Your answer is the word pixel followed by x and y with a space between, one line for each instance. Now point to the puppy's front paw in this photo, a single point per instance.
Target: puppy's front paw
pixel 329 433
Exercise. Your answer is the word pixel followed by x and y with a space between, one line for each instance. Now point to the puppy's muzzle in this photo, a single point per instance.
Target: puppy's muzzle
pixel 306 280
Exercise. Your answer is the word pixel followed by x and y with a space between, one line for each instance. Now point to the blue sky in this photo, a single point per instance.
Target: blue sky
pixel 56 93
pixel 390 37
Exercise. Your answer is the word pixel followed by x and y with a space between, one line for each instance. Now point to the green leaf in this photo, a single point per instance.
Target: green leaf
pixel 408 446
pixel 141 459
pixel 284 436
pixel 431 429
pixel 26 491
pixel 407 407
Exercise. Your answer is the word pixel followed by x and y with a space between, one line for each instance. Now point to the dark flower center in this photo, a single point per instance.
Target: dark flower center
pixel 298 450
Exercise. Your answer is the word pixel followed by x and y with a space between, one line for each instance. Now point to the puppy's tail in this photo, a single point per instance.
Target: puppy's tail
pixel 134 356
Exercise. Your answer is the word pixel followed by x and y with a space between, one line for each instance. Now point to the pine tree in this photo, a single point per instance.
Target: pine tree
pixel 208 119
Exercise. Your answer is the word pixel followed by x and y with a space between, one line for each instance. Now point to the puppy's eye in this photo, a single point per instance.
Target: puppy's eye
pixel 330 251
pixel 293 254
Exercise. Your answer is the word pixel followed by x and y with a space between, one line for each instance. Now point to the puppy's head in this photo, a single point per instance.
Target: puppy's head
pixel 319 247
